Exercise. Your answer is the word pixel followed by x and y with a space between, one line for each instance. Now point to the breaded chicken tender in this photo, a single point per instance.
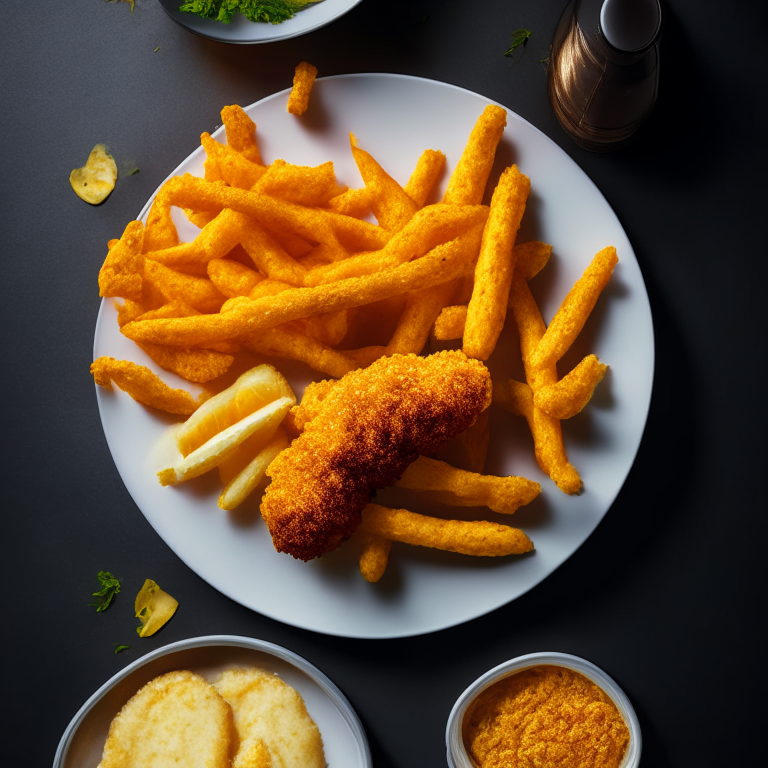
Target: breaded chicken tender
pixel 175 719
pixel 373 423
pixel 269 713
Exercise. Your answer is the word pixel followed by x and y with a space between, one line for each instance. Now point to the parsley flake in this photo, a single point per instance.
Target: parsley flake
pixel 519 38
pixel 110 586
pixel 119 647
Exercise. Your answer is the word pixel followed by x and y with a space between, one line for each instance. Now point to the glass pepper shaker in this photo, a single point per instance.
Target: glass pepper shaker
pixel 604 70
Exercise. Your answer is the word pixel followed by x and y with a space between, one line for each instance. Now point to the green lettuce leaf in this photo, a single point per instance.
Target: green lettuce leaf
pixel 267 11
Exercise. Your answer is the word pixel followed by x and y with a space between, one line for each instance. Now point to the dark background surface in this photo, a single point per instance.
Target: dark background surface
pixel 667 593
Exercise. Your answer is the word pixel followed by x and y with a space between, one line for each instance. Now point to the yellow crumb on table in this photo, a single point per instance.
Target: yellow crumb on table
pixel 303 80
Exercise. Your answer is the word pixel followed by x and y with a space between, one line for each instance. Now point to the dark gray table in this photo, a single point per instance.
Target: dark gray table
pixel 665 596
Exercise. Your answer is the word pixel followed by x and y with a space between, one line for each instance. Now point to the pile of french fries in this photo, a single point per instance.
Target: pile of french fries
pixel 287 266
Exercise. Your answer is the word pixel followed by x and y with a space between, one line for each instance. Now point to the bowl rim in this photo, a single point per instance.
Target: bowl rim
pixel 457 756
pixel 328 687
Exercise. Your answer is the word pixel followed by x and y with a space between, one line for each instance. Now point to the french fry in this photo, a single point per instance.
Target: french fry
pixel 160 231
pixel 179 256
pixel 143 386
pixel 391 206
pixel 241 133
pixel 467 183
pixel 575 309
pixel 121 273
pixel 300 184
pixel 196 365
pixel 421 310
pixel 456 486
pixel 428 170
pixel 546 430
pixel 530 258
pixel 568 396
pixel 292 344
pixel 303 79
pixel 211 170
pixel 449 324
pixel 495 265
pixel 479 538
pixel 222 444
pixel 231 278
pixel 268 255
pixel 129 310
pixel 515 397
pixel 441 265
pixel 232 166
pixel 242 485
pixel 374 557
pixel 353 202
pixel 429 227
pixel 198 292
pixel 252 391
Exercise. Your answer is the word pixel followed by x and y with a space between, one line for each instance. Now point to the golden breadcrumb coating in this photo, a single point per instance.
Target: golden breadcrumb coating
pixel 374 422
pixel 176 719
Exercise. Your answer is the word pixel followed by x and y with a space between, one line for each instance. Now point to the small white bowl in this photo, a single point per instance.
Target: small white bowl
pixel 344 740
pixel 457 754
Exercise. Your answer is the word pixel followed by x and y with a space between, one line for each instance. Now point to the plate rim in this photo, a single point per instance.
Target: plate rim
pixel 472 615
pixel 276 39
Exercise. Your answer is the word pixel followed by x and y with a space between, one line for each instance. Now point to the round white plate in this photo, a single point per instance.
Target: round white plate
pixel 241 30
pixel 343 736
pixel 395 118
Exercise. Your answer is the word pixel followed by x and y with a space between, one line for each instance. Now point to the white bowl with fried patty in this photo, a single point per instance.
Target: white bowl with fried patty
pixel 343 737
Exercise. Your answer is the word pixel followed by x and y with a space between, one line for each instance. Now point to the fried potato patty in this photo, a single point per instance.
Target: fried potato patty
pixel 372 424
pixel 267 709
pixel 175 719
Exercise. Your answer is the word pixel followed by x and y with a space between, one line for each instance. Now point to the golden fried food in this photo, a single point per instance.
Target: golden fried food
pixel 198 292
pixel 160 231
pixel 153 607
pixel 575 309
pixel 253 754
pixel 230 165
pixel 196 365
pixel 231 278
pixel 241 133
pixel 546 430
pixel 303 80
pixel 467 183
pixel 374 557
pixel 300 184
pixel 269 710
pixel 568 396
pixel 121 273
pixel 428 170
pixel 95 181
pixel 391 206
pixel 478 537
pixel 493 274
pixel 461 488
pixel 353 202
pixel 175 719
pixel 441 265
pixel 373 424
pixel 143 386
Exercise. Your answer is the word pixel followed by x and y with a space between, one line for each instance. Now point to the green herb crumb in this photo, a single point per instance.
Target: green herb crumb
pixel 119 647
pixel 519 37
pixel 133 172
pixel 110 586
pixel 156 49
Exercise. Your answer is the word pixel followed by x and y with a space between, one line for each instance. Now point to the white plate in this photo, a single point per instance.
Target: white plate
pixel 344 740
pixel 241 30
pixel 396 118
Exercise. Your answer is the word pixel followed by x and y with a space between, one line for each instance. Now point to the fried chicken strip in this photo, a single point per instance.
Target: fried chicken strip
pixel 373 423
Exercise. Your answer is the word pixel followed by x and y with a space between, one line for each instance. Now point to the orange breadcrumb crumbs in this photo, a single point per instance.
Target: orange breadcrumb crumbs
pixel 303 81
pixel 545 717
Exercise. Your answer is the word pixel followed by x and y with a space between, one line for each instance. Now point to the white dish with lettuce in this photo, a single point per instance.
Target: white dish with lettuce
pixel 255 21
